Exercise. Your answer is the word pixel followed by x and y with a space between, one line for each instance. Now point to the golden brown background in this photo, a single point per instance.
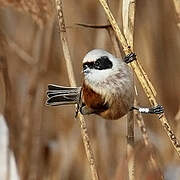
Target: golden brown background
pixel 46 141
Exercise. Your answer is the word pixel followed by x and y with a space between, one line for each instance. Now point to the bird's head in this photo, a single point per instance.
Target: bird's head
pixel 98 65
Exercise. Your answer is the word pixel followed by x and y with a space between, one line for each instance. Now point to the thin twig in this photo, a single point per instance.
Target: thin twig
pixel 111 34
pixel 63 38
pixel 142 77
pixel 104 26
pixel 128 11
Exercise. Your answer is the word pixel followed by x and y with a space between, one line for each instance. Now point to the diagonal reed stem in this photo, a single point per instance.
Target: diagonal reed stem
pixel 85 137
pixel 142 77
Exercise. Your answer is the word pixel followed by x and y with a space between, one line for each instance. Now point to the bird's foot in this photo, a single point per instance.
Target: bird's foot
pixel 154 110
pixel 129 58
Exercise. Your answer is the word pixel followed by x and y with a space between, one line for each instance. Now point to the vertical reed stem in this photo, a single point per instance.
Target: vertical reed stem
pixel 84 133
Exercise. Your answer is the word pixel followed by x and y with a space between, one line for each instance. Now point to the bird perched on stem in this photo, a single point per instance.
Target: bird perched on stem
pixel 107 89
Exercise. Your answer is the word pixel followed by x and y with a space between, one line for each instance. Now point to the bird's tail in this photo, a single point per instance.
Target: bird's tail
pixel 60 95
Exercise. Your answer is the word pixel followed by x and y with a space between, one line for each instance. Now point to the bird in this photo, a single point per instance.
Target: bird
pixel 107 89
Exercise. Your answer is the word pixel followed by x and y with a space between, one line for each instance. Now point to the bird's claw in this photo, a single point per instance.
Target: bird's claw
pixel 156 110
pixel 130 57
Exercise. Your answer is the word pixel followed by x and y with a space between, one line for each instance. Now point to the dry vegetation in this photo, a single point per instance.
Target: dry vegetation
pixel 46 141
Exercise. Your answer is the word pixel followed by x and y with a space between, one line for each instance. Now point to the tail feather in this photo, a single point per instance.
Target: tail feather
pixel 59 92
pixel 60 95
pixel 52 94
pixel 61 100
pixel 53 87
pixel 62 89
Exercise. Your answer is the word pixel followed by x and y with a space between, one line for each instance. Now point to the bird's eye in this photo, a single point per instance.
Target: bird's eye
pixel 103 63
pixel 97 63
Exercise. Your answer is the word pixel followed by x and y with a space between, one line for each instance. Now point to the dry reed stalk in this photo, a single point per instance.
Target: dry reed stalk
pixel 177 119
pixel 130 146
pixel 140 121
pixel 142 77
pixel 142 127
pixel 128 14
pixel 85 137
pixel 114 42
pixel 177 8
pixel 130 118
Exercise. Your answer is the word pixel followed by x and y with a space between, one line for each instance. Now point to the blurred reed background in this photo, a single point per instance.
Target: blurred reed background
pixel 46 141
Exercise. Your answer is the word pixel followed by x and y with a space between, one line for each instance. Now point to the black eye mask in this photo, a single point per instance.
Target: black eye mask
pixel 103 63
pixel 89 65
pixel 100 64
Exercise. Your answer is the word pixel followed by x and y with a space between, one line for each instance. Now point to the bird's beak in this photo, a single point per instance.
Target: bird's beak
pixel 86 71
